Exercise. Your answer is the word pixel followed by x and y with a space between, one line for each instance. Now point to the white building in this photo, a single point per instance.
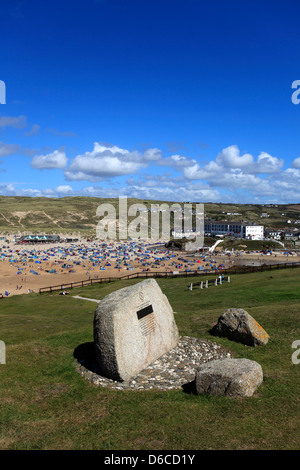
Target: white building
pixel 254 232
pixel 236 229
pixel 225 228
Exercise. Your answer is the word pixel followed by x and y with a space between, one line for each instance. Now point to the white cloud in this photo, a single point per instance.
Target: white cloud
pixel 30 192
pixel 168 188
pixel 156 181
pixel 33 131
pixel 181 193
pixel 268 164
pixel 152 155
pixel 107 162
pixel 178 162
pixel 8 149
pixel 7 189
pixel 11 121
pixel 49 192
pixel 230 158
pixel 230 162
pixel 232 170
pixel 64 189
pixel 196 172
pixel 232 176
pixel 296 163
pixel 56 159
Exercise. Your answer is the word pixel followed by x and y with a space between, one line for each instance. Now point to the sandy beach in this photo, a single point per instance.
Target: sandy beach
pixel 26 268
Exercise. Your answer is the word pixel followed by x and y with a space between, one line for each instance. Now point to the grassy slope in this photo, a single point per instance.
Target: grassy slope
pixel 78 214
pixel 45 404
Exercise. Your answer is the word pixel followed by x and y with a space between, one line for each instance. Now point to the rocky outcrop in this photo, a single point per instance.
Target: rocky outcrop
pixel 236 324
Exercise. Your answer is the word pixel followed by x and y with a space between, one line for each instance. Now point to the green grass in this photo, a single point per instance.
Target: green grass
pixel 255 245
pixel 46 404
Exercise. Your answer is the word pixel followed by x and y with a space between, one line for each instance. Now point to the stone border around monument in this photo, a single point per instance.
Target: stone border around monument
pixel 176 369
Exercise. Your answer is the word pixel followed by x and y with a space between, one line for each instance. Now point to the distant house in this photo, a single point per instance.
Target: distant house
pixel 274 234
pixel 289 235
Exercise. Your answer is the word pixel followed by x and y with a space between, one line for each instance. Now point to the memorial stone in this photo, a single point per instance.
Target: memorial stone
pixel 133 327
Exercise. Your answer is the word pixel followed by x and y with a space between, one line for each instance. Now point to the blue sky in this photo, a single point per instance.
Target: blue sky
pixel 182 100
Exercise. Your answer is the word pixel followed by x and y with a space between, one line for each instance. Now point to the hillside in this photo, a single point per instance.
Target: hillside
pixel 46 404
pixel 78 214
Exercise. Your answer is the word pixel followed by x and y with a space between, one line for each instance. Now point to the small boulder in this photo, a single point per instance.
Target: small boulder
pixel 236 324
pixel 228 377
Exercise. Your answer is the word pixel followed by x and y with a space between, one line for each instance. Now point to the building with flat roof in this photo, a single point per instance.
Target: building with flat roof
pixel 39 238
pixel 218 228
pixel 235 229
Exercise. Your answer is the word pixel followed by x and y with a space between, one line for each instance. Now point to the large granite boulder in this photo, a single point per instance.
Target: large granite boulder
pixel 228 377
pixel 133 327
pixel 236 324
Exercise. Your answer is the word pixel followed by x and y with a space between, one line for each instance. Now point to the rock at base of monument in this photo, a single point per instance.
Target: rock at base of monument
pixel 228 377
pixel 133 327
pixel 236 324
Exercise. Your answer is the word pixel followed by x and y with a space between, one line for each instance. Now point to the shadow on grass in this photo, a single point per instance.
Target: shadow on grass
pixel 85 354
pixel 190 388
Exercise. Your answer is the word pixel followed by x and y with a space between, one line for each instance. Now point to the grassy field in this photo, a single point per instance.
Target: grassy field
pixel 46 404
